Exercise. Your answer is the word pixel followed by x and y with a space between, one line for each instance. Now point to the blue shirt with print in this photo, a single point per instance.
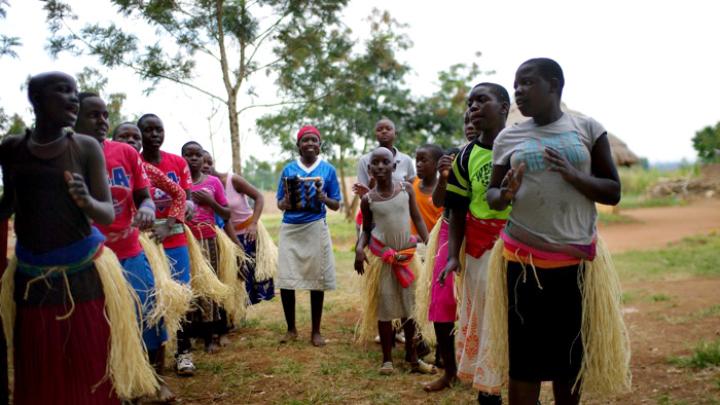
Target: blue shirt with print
pixel 331 187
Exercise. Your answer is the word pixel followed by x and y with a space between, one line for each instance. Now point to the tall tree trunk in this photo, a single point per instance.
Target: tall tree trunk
pixel 232 90
pixel 234 135
pixel 343 186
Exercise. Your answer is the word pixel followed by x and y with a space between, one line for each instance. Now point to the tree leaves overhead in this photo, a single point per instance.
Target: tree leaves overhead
pixel 7 43
pixel 348 90
pixel 91 80
pixel 361 83
pixel 230 32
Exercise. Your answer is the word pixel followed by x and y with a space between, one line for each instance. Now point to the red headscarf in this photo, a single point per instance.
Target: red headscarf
pixel 307 129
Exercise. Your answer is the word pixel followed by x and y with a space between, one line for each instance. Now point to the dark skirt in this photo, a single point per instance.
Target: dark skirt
pixel 257 290
pixel 544 324
pixel 62 361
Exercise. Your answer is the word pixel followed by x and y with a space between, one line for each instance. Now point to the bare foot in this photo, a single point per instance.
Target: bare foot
pixel 212 347
pixel 290 336
pixel 164 394
pixel 317 340
pixel 440 384
pixel 224 341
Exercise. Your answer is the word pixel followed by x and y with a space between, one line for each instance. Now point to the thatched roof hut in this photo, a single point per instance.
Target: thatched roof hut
pixel 622 155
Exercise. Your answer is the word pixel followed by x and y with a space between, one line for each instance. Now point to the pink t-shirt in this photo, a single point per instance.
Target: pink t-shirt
pixel 125 174
pixel 203 223
pixel 177 170
pixel 240 209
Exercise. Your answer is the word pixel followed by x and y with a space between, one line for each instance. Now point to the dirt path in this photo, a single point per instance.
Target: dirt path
pixel 667 319
pixel 656 227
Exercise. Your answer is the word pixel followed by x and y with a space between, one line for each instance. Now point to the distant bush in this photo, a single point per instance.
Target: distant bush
pixel 636 181
pixel 707 143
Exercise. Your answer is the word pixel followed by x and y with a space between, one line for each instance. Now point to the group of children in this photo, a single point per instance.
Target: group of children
pixel 489 249
pixel 513 216
pixel 118 250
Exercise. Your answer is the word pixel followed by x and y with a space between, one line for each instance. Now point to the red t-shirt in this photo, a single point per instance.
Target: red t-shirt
pixel 177 170
pixel 125 174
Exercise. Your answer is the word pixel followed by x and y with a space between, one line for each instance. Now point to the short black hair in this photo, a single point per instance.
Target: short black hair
pixel 499 91
pixel 435 151
pixel 144 117
pixel 38 82
pixel 384 118
pixel 117 127
pixel 548 70
pixel 182 150
pixel 86 94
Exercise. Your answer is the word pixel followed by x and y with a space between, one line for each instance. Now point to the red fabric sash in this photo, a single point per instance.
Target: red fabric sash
pixel 481 234
pixel 400 267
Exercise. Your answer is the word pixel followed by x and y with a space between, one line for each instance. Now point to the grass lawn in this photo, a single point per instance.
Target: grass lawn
pixel 698 256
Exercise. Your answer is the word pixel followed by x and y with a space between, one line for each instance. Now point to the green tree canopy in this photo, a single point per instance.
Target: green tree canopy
pixel 232 33
pixel 707 143
pixel 91 80
pixel 438 118
pixel 350 90
pixel 7 44
pixel 260 174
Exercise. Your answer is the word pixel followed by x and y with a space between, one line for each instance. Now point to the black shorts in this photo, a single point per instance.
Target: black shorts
pixel 544 324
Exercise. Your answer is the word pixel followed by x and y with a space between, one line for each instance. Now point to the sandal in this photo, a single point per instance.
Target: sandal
pixel 387 368
pixel 422 368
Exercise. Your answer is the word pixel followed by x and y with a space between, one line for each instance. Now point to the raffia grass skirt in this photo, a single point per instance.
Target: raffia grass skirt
pixel 602 337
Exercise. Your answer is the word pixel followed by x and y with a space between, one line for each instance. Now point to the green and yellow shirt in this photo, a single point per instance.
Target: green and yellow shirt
pixel 468 182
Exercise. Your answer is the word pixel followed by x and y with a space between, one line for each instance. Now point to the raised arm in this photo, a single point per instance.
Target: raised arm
pixel 504 184
pixel 602 185
pixel 92 195
pixel 415 214
pixel 444 167
pixel 244 187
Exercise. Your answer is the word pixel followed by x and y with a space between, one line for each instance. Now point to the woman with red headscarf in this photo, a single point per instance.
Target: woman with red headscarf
pixel 305 257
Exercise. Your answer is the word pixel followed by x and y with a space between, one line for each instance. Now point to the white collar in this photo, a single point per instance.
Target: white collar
pixel 311 168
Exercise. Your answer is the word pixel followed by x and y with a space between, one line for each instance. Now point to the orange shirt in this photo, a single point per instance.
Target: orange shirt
pixel 428 211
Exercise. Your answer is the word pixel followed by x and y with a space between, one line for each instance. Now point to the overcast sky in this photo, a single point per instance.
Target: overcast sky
pixel 645 69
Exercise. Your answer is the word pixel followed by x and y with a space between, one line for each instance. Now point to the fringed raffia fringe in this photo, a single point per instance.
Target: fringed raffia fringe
pixel 424 282
pixel 128 364
pixel 229 256
pixel 203 279
pixel 370 294
pixel 173 300
pixel 266 255
pixel 367 328
pixel 128 367
pixel 7 306
pixel 605 369
pixel 496 307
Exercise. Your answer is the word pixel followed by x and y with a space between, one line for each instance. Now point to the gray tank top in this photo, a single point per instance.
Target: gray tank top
pixel 392 219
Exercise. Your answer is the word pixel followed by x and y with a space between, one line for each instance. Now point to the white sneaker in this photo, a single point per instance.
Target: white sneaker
pixel 184 365
pixel 400 337
pixel 377 338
